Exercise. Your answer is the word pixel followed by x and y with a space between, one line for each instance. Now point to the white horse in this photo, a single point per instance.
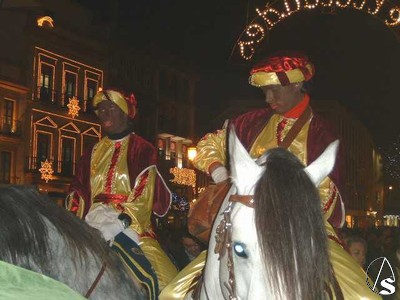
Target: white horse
pixel 272 245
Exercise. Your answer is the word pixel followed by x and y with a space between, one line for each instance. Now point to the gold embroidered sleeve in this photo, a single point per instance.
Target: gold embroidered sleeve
pixel 329 197
pixel 75 204
pixel 210 149
pixel 139 205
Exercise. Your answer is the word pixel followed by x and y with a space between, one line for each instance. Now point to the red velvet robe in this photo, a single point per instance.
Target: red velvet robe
pixel 249 125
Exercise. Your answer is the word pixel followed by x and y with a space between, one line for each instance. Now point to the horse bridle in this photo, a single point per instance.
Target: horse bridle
pixel 96 280
pixel 223 240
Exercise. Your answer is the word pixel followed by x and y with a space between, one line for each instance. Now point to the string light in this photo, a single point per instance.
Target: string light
pixel 279 10
pixel 73 107
pixel 391 155
pixel 394 15
pixel 46 170
pixel 183 176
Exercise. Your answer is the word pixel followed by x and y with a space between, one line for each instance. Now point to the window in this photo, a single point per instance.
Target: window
pixel 92 87
pixel 5 167
pixel 67 156
pixel 43 148
pixel 89 142
pixel 70 85
pixel 46 82
pixel 8 114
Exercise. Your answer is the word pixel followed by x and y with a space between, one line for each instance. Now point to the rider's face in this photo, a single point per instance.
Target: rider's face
pixel 283 98
pixel 112 118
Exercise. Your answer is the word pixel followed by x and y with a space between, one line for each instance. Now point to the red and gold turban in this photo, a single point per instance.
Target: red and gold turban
pixel 126 103
pixel 282 69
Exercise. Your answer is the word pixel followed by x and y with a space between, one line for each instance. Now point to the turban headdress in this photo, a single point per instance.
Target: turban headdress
pixel 126 103
pixel 282 69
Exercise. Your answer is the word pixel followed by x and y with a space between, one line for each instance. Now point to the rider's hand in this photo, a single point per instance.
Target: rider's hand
pixel 219 174
pixel 110 230
pixel 105 219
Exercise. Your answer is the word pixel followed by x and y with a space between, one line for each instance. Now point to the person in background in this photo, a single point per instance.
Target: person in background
pixel 357 247
pixel 117 189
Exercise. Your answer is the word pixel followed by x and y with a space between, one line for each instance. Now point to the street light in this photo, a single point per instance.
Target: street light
pixel 191 152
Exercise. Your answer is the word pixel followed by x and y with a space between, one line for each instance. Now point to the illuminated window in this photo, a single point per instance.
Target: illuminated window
pixel 70 84
pixel 5 167
pixel 46 82
pixel 92 87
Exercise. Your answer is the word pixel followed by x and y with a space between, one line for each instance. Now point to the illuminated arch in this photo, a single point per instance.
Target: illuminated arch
pixel 45 21
pixel 278 10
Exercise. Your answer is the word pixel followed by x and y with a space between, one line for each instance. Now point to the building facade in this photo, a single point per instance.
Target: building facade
pixel 363 187
pixel 50 69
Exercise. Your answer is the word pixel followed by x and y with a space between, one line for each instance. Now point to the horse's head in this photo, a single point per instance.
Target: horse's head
pixel 275 196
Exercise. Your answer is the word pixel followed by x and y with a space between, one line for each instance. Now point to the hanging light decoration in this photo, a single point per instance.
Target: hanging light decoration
pixel 73 107
pixel 277 11
pixel 46 170
pixel 183 176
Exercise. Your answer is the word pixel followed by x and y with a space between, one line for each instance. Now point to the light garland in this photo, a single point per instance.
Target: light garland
pixel 73 107
pixel 46 170
pixel 391 156
pixel 279 10
pixel 183 176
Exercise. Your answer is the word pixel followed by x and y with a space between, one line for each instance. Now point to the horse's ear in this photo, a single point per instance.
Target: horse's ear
pixel 323 165
pixel 244 170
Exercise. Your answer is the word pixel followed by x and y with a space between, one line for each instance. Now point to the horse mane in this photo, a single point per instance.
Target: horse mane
pixel 41 236
pixel 24 210
pixel 292 236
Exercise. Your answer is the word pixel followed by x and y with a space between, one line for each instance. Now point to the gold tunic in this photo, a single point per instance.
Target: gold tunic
pixel 139 205
pixel 212 147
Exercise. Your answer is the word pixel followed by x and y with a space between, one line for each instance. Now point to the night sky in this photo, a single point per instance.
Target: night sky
pixel 356 56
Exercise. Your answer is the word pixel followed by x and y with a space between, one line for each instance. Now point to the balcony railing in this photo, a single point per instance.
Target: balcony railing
pixel 33 164
pixel 59 99
pixel 10 127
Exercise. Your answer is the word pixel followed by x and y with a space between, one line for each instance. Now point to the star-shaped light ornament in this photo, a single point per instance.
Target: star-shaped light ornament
pixel 46 170
pixel 73 107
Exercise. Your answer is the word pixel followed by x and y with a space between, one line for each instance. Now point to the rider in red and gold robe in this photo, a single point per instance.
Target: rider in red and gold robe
pixel 117 188
pixel 284 80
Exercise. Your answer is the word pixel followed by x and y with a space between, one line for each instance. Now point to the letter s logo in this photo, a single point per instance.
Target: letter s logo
pixel 386 283
pixel 387 288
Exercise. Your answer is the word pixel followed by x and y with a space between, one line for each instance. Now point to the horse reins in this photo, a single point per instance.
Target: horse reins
pixel 224 240
pixel 96 281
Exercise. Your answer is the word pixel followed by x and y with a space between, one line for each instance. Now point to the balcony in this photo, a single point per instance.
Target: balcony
pixel 10 127
pixel 59 99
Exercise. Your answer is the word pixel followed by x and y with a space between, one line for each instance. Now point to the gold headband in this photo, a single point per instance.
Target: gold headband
pixel 114 96
pixel 271 78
